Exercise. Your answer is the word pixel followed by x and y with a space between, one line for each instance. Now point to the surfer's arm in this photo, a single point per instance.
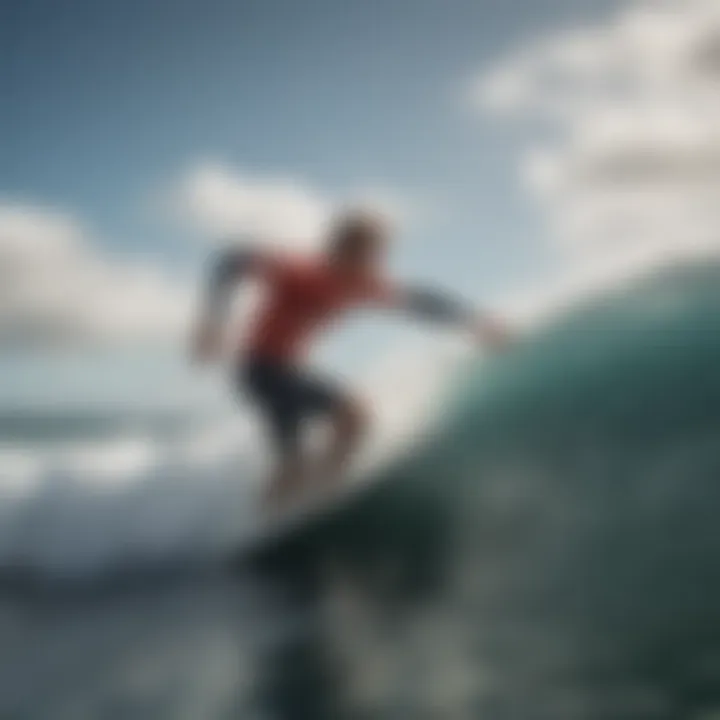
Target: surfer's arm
pixel 444 309
pixel 435 306
pixel 227 269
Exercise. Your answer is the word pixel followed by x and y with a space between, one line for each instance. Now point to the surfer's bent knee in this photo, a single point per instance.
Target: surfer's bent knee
pixel 352 416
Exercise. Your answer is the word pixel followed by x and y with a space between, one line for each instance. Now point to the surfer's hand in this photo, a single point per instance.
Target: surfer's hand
pixel 492 333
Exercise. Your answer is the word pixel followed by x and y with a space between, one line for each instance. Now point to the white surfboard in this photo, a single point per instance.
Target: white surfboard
pixel 273 525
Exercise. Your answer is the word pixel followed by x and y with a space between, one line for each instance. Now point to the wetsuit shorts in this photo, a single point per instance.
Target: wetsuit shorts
pixel 287 397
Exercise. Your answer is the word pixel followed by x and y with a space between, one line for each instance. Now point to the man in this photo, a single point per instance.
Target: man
pixel 304 294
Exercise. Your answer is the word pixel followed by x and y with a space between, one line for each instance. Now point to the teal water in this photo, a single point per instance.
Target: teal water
pixel 551 551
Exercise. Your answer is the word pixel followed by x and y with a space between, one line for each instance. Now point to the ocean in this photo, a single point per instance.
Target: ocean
pixel 546 549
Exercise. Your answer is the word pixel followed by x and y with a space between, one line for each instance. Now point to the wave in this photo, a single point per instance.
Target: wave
pixel 81 509
pixel 146 500
pixel 515 440
pixel 552 550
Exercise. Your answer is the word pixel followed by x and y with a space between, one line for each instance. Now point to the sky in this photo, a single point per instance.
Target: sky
pixel 111 102
pixel 525 144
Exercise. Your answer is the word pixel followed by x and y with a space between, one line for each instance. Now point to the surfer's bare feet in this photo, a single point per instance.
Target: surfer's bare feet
pixel 285 484
pixel 274 499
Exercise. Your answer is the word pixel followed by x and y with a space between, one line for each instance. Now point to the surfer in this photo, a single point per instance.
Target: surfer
pixel 303 295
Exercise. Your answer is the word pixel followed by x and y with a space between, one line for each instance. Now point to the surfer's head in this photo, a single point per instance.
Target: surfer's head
pixel 358 239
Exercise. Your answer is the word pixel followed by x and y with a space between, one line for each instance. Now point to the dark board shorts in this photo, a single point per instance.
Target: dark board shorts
pixel 286 396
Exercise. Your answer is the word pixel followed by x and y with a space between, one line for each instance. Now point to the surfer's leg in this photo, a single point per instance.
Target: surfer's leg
pixel 294 461
pixel 318 397
pixel 285 478
pixel 274 391
pixel 348 424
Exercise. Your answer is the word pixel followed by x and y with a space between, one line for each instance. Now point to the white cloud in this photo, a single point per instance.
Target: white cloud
pixel 58 287
pixel 221 201
pixel 55 287
pixel 628 169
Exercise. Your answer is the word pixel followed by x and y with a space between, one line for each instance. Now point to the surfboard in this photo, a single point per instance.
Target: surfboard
pixel 275 526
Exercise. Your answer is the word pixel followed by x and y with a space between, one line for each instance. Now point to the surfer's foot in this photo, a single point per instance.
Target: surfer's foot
pixel 283 486
pixel 277 498
pixel 324 479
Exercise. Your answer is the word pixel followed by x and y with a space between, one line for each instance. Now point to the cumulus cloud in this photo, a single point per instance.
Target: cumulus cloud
pixel 222 201
pixel 56 287
pixel 628 167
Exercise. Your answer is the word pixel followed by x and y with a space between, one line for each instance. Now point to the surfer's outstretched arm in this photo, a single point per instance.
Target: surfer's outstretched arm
pixel 440 307
pixel 228 268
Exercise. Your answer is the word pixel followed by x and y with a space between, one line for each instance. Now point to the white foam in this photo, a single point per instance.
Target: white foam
pixel 86 506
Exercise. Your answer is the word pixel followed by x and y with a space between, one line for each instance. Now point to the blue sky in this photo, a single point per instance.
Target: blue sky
pixel 109 105
pixel 109 101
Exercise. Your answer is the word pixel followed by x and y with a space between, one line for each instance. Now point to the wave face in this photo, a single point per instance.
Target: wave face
pixel 552 551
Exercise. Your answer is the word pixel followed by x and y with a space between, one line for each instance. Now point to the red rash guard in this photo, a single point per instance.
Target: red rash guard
pixel 304 295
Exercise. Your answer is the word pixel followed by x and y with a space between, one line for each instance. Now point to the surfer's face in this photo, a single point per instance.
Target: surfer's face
pixel 360 244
